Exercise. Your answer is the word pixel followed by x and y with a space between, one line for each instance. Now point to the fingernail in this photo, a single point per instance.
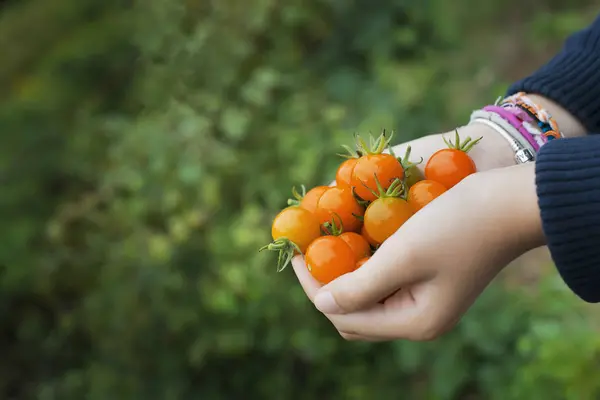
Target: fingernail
pixel 325 303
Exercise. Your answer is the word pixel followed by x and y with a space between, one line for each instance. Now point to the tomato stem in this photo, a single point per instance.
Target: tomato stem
pixel 465 146
pixel 350 152
pixel 359 200
pixel 297 197
pixel 396 189
pixel 376 145
pixel 333 229
pixel 286 251
pixel 359 217
pixel 405 161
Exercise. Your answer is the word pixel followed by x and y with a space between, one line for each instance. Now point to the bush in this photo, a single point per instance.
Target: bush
pixel 147 149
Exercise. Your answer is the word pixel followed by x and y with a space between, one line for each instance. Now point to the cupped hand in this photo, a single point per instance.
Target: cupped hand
pixel 423 278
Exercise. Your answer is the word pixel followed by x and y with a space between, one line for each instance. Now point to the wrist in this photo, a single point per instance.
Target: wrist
pixel 493 151
pixel 568 123
pixel 510 193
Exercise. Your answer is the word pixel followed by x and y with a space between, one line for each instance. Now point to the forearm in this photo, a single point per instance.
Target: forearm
pixel 569 125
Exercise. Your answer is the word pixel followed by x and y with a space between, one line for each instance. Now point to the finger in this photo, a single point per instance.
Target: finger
pixel 401 318
pixel 390 268
pixel 308 283
pixel 359 338
pixel 311 286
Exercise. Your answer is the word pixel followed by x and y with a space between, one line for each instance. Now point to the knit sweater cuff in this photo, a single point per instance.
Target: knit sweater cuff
pixel 568 188
pixel 571 78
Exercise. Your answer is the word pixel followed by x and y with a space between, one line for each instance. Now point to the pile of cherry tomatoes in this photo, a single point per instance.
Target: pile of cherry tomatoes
pixel 339 227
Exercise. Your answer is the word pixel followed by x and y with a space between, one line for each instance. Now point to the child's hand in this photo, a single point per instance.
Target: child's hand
pixel 442 259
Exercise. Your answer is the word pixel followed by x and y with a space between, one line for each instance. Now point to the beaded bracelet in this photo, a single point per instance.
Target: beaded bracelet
pixel 513 118
pixel 525 125
pixel 542 119
pixel 524 152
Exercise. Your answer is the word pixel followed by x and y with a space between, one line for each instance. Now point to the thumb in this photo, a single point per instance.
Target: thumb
pixel 391 267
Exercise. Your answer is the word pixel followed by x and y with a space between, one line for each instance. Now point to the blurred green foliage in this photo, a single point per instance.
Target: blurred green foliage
pixel 144 150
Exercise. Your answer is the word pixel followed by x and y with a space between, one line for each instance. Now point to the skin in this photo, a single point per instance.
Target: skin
pixel 296 224
pixel 343 176
pixel 495 218
pixel 340 205
pixel 423 193
pixel 328 258
pixel 311 198
pixel 383 166
pixel 384 216
pixel 357 243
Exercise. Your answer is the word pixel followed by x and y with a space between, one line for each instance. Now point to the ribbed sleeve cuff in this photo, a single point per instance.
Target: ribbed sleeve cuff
pixel 572 77
pixel 568 188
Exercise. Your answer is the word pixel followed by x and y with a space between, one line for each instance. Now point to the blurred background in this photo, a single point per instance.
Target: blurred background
pixel 145 148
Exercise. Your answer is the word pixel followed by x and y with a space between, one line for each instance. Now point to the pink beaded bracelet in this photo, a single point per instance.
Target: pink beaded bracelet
pixel 542 119
pixel 512 116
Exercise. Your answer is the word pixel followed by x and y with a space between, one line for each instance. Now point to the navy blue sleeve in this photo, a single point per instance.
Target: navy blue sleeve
pixel 572 77
pixel 568 170
pixel 568 188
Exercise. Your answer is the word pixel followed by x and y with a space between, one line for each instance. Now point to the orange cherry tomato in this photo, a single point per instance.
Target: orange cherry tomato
pixel 328 258
pixel 311 198
pixel 298 225
pixel 368 238
pixel 343 176
pixel 385 167
pixel 423 193
pixel 452 165
pixel 357 243
pixel 339 204
pixel 362 262
pixel 449 167
pixel 384 216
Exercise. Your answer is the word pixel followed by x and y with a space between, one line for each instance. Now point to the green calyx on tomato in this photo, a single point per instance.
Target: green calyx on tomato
pixel 465 146
pixel 297 197
pixel 332 228
pixel 396 189
pixel 286 251
pixel 350 153
pixel 376 145
pixel 412 173
pixel 361 202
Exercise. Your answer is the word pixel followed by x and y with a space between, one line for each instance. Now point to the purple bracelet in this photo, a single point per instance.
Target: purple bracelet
pixel 516 119
pixel 530 123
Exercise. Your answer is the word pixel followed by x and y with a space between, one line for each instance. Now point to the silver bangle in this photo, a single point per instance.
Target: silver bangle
pixel 524 152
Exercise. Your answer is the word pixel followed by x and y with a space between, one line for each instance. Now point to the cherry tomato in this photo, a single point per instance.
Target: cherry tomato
pixel 357 243
pixel 412 173
pixel 385 167
pixel 343 176
pixel 339 204
pixel 311 198
pixel 368 238
pixel 328 258
pixel 296 224
pixel 362 262
pixel 384 216
pixel 423 193
pixel 452 165
pixel 449 166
